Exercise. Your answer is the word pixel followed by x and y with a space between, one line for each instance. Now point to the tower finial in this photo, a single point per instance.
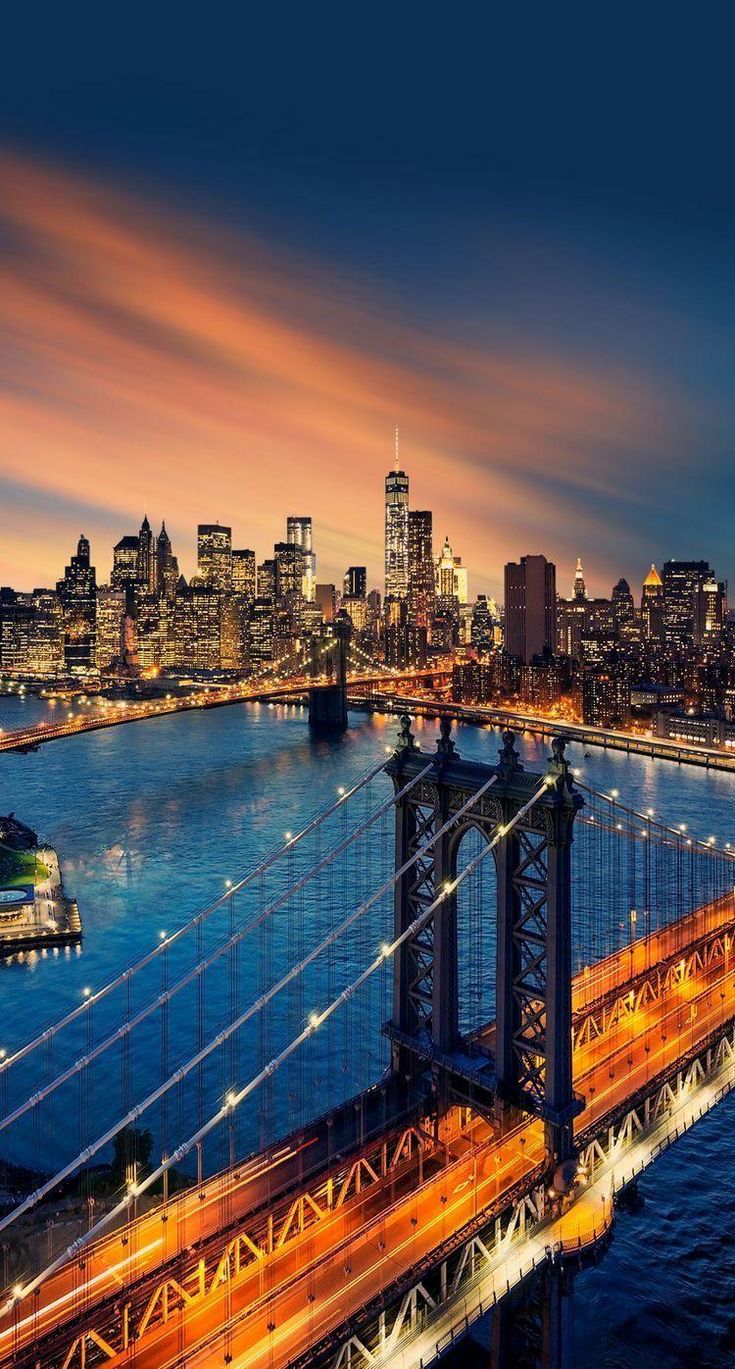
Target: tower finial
pixel 398 463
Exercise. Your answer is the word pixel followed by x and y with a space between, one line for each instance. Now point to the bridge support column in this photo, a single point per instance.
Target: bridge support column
pixel 534 969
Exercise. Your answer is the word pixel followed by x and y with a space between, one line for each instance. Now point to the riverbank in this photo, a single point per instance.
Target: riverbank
pixel 35 911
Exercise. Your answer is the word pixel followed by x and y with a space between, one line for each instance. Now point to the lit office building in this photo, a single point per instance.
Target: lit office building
pixel 124 563
pixel 110 626
pixel 16 616
pixel 214 556
pixel 78 595
pixel 167 566
pixel 46 641
pixel 396 534
pixel 710 613
pixel 355 582
pixel 299 534
pixel 262 630
pixel 147 566
pixel 450 579
pixel 421 587
pixel 681 582
pixel 244 575
pixel 652 605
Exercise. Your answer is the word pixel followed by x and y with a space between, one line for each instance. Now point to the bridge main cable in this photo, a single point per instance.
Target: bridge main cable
pixel 234 1099
pixel 166 943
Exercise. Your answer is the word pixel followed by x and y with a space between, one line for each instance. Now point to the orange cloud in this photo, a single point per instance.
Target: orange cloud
pixel 152 362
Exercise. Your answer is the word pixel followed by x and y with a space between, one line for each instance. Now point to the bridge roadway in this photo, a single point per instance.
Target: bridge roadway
pixel 611 739
pixel 106 713
pixel 278 1296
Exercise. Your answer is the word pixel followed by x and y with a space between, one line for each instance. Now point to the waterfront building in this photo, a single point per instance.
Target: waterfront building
pixel 299 534
pixel 396 533
pixel 214 556
pixel 78 595
pixel 16 615
pixel 605 697
pixel 421 587
pixel 244 574
pixel 474 682
pixel 530 607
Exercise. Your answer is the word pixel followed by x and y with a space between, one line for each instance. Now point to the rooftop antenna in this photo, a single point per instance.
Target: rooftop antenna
pixel 397 459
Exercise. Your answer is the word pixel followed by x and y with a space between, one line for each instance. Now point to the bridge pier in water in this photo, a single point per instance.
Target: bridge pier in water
pixel 328 702
pixel 529 818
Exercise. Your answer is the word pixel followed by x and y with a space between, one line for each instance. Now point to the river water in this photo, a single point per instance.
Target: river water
pixel 149 821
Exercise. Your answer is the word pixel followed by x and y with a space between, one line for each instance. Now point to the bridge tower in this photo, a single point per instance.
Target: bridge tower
pixel 328 702
pixel 530 1064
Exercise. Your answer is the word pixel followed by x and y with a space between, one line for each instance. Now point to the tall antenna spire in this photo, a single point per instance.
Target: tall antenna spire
pixel 397 456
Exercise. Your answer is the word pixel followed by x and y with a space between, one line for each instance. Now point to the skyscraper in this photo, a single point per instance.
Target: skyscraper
pixel 681 582
pixel 450 578
pixel 580 588
pixel 299 533
pixel 530 607
pixel 147 569
pixel 652 604
pixel 396 532
pixel 244 579
pixel 167 566
pixel 125 563
pixel 78 594
pixel 214 555
pixel 421 591
pixel 355 582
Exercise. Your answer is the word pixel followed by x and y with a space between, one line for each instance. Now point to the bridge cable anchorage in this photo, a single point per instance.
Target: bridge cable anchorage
pixel 706 845
pixel 201 916
pixel 236 1097
pixel 34 1198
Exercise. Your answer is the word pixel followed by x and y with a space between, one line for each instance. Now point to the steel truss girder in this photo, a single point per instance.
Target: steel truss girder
pixel 241 1250
pixel 452 1275
pixel 653 984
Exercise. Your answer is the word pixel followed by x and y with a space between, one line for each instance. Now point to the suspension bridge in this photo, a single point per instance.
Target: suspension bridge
pixel 302 675
pixel 348 1106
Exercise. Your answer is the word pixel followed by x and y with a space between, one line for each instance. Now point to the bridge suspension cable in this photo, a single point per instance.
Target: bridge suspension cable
pixel 204 964
pixel 167 942
pixel 136 1112
pixel 235 1098
pixel 651 823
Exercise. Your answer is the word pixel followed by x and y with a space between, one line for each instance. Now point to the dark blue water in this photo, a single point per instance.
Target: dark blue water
pixel 151 819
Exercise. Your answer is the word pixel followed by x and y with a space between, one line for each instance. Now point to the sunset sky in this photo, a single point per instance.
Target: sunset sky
pixel 232 260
